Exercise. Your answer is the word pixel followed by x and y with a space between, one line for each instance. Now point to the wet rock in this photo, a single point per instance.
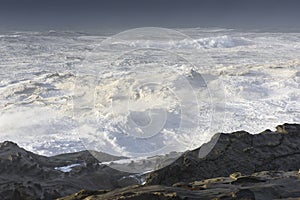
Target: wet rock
pixel 244 194
pixel 236 152
pixel 25 175
pixel 231 166
pixel 288 128
pixel 274 185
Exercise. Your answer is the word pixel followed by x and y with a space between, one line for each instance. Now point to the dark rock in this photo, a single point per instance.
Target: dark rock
pixel 246 179
pixel 236 152
pixel 25 175
pixel 230 166
pixel 85 193
pixel 273 185
pixel 244 194
pixel 288 128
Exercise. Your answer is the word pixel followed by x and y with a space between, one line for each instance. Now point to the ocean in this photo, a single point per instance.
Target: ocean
pixel 146 91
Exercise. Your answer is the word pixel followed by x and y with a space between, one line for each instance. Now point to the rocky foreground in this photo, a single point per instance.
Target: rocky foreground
pixel 231 166
pixel 25 175
pixel 262 185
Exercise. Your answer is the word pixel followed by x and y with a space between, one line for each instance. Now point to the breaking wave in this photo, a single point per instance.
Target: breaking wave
pixel 224 41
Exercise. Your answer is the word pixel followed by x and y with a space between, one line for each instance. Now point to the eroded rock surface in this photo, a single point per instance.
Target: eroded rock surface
pixel 231 166
pixel 259 186
pixel 25 175
pixel 235 152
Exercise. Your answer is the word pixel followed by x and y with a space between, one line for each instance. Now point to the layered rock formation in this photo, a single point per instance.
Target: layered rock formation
pixel 259 186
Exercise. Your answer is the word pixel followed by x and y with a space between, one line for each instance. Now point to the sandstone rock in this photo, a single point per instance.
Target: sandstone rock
pixel 235 176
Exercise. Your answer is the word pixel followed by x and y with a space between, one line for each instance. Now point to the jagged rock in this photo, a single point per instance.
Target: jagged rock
pixel 25 175
pixel 273 185
pixel 208 172
pixel 288 128
pixel 236 152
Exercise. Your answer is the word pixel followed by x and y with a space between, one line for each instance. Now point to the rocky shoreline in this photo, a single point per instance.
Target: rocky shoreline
pixel 263 185
pixel 236 165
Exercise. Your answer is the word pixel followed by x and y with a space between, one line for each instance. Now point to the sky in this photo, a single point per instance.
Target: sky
pixel 123 14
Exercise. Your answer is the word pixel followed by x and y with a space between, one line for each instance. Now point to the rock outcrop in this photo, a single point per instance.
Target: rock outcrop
pixel 235 152
pixel 238 165
pixel 259 186
pixel 25 175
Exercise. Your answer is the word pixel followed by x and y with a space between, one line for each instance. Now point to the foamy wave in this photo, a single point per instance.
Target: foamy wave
pixel 202 43
pixel 261 86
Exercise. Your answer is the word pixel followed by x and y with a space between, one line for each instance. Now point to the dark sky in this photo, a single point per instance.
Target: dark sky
pixel 111 14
